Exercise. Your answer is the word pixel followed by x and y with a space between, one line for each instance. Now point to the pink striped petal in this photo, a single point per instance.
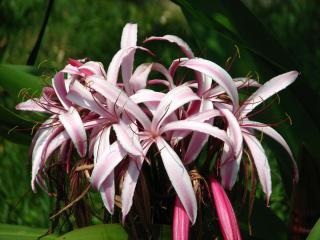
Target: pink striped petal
pixel 40 151
pixel 199 117
pixel 205 128
pixel 114 66
pixel 116 62
pixel 203 116
pixel 55 143
pixel 118 97
pixel 277 137
pixel 33 105
pixel 176 40
pixel 198 140
pixel 147 95
pixel 139 78
pixel 125 136
pixel 59 86
pixel 261 163
pixel 107 191
pixel 227 218
pixel 267 90
pixel 215 72
pixel 93 68
pixel 173 100
pixel 179 178
pixel 161 69
pixel 131 179
pixel 81 96
pixel 129 184
pixel 229 168
pixel 109 160
pixel 72 122
pixel 234 129
pixel 181 222
pixel 71 70
pixel 175 64
pixel 129 35
pixel 102 143
pixel 128 39
pixel 239 82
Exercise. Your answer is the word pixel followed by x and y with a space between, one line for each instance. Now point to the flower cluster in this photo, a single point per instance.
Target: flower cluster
pixel 109 121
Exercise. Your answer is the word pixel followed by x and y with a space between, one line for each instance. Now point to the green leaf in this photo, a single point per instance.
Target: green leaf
pixel 14 127
pixel 97 232
pixel 14 232
pixel 315 232
pixel 13 79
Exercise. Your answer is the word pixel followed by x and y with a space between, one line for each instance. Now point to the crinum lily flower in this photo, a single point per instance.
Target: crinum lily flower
pixel 153 132
pixel 230 167
pixel 65 120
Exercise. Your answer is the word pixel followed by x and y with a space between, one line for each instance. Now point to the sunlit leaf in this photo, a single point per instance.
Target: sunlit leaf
pixel 15 232
pixel 13 79
pixel 97 232
pixel 315 232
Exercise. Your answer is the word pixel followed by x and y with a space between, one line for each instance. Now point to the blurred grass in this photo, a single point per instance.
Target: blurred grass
pixel 19 205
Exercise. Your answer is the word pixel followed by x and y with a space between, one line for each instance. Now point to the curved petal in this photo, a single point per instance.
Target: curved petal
pixel 59 86
pixel 229 167
pixel 176 40
pixel 116 62
pixel 239 82
pixel 72 122
pixel 139 78
pixel 215 72
pixel 128 39
pixel 118 97
pixel 161 69
pixel 198 140
pixel 93 68
pixel 277 137
pixel 261 163
pixel 147 95
pixel 131 179
pixel 267 90
pixel 81 96
pixel 227 218
pixel 129 35
pixel 205 128
pixel 179 178
pixel 174 99
pixel 181 222
pixel 109 160
pixel 33 105
pixel 42 149
pixel 125 136
pixel 233 127
pixel 102 143
pixel 107 191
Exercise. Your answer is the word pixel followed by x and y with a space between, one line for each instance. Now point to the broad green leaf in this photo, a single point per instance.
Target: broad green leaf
pixel 16 232
pixel 37 71
pixel 97 232
pixel 13 79
pixel 315 232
